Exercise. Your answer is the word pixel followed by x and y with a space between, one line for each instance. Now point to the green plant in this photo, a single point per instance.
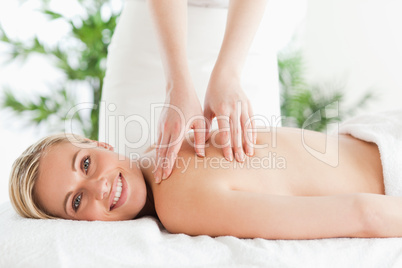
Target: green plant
pixel 301 100
pixel 82 62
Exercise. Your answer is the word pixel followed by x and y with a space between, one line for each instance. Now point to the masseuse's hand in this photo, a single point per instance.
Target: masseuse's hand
pixel 226 101
pixel 181 113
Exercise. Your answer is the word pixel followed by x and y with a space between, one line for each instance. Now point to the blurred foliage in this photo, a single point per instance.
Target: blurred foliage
pixel 81 56
pixel 302 102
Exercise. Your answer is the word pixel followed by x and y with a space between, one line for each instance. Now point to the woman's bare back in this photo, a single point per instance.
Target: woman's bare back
pixel 294 163
pixel 287 166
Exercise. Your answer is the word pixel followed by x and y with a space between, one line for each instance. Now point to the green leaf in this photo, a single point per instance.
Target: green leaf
pixel 53 15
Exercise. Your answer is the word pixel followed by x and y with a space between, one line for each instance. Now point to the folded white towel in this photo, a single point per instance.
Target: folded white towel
pixel 384 129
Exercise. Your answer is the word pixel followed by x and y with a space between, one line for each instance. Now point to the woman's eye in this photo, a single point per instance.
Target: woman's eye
pixel 86 163
pixel 77 202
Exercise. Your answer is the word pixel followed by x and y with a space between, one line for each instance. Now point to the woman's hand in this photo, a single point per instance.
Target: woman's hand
pixel 182 104
pixel 226 101
pixel 181 113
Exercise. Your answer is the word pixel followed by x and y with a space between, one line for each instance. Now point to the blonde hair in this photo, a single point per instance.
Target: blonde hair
pixel 25 172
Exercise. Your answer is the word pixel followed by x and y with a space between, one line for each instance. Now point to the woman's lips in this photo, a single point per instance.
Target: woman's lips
pixel 113 190
pixel 123 196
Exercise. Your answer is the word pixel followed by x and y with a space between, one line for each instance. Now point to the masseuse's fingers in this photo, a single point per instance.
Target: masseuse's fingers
pixel 199 136
pixel 208 117
pixel 161 150
pixel 171 155
pixel 236 133
pixel 254 131
pixel 247 133
pixel 175 143
pixel 105 145
pixel 224 132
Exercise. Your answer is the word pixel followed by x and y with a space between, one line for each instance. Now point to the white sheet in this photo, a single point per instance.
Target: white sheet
pixel 144 242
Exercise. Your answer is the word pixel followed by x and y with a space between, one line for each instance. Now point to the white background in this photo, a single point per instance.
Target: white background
pixel 358 42
pixel 354 41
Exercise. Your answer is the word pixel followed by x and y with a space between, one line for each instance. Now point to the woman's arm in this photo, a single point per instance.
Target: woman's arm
pixel 170 20
pixel 242 23
pixel 250 215
pixel 181 103
pixel 225 98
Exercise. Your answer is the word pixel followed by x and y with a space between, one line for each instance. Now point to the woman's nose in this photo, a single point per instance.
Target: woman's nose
pixel 99 188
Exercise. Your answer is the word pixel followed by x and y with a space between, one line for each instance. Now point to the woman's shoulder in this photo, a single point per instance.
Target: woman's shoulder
pixel 179 203
pixel 182 209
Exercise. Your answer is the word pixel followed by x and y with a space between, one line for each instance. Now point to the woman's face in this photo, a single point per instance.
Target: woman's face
pixel 82 183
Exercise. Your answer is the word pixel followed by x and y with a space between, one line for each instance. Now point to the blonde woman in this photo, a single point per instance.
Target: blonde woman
pixel 168 58
pixel 282 192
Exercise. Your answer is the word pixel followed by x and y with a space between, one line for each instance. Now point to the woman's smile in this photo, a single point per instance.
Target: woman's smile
pixel 119 192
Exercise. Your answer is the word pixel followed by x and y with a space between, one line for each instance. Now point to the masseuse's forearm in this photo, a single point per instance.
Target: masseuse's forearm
pixel 170 21
pixel 243 20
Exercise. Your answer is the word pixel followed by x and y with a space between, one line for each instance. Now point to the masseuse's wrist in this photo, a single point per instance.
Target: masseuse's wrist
pixel 226 71
pixel 178 79
pixel 225 78
pixel 180 85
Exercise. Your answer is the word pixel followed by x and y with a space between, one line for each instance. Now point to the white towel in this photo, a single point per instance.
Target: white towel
pixel 384 129
pixel 145 243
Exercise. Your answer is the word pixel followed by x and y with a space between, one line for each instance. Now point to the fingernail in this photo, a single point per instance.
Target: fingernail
pixel 202 154
pixel 164 177
pixel 230 157
pixel 240 157
pixel 249 151
pixel 157 179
